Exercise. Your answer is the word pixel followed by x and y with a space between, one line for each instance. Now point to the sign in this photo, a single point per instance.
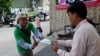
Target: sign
pixel 64 4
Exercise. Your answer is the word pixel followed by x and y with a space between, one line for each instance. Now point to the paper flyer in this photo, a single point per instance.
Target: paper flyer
pixel 46 41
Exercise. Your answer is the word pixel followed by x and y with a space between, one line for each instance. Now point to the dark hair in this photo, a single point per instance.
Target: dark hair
pixel 79 8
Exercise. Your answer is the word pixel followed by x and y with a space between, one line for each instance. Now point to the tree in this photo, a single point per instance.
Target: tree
pixel 5 5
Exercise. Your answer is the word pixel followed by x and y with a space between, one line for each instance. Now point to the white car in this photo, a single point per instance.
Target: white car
pixel 13 21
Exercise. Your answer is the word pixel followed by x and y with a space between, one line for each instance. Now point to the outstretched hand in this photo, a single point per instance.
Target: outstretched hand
pixel 35 44
pixel 41 37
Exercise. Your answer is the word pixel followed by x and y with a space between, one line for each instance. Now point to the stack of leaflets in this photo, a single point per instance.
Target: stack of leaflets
pixel 46 41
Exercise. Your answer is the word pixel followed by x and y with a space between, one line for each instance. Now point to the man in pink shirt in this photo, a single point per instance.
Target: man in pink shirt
pixel 86 40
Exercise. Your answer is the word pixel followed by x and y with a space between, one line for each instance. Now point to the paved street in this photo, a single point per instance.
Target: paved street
pixel 7 41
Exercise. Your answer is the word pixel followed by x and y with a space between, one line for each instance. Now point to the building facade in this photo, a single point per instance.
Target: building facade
pixel 59 18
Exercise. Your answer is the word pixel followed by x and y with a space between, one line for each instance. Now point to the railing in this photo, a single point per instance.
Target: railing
pixel 96 25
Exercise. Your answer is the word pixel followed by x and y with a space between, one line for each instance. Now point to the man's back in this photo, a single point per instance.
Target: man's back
pixel 90 39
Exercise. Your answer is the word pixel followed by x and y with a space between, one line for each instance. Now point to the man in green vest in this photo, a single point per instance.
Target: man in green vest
pixel 22 35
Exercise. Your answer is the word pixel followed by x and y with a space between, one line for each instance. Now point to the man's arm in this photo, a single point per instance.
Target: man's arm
pixel 20 40
pixel 35 31
pixel 67 43
pixel 78 46
pixel 24 45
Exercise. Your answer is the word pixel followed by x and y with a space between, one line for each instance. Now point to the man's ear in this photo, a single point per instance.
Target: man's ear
pixel 75 15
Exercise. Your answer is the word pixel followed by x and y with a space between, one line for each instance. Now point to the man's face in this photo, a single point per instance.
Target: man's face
pixel 23 22
pixel 72 18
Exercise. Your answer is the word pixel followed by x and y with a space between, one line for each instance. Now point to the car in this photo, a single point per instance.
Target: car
pixel 13 20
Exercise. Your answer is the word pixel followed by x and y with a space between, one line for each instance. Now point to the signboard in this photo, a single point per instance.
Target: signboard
pixel 63 4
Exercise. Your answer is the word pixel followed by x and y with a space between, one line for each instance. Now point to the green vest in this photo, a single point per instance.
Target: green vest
pixel 20 35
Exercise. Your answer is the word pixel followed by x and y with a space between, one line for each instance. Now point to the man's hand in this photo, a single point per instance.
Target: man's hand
pixel 55 42
pixel 35 44
pixel 54 47
pixel 41 37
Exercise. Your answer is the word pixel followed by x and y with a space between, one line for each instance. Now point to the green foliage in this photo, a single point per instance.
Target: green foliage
pixel 5 5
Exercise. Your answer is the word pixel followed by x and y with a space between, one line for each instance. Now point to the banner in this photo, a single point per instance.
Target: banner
pixel 63 4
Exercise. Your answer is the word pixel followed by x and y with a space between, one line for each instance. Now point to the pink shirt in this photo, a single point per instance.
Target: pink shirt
pixel 86 41
pixel 37 23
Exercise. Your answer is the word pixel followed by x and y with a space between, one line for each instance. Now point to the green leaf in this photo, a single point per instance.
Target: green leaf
pixel 5 5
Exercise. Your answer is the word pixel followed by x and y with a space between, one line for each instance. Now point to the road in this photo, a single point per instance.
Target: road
pixel 7 41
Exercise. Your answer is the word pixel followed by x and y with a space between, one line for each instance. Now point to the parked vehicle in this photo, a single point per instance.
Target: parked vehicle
pixel 1 21
pixel 12 20
pixel 32 16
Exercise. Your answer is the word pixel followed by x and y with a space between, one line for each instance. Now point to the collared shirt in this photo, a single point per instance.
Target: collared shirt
pixel 86 41
pixel 23 37
pixel 35 32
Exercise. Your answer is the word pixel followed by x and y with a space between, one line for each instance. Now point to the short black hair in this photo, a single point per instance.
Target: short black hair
pixel 79 8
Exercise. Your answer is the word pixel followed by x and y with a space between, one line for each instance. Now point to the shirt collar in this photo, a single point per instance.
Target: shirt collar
pixel 19 26
pixel 83 21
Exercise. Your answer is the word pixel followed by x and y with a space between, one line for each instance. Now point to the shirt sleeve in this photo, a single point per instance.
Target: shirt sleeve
pixel 62 52
pixel 65 43
pixel 36 33
pixel 78 46
pixel 20 41
pixel 24 45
